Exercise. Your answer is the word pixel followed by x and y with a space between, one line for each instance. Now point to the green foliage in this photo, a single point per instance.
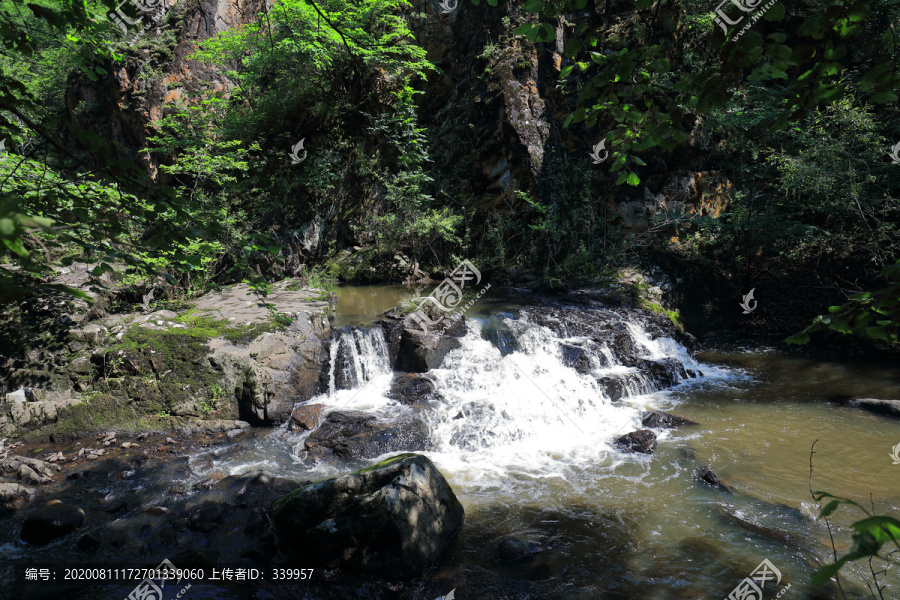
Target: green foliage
pixel 869 536
pixel 818 59
pixel 873 315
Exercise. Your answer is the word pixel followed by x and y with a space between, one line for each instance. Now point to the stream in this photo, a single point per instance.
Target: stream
pixel 524 439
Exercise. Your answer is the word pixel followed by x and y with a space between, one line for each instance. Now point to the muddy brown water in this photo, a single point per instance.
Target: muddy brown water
pixel 600 524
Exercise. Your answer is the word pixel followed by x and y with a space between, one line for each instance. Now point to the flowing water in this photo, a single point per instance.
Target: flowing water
pixel 524 440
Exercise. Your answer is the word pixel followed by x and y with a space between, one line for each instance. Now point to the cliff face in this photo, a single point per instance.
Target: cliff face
pixel 121 106
pixel 493 112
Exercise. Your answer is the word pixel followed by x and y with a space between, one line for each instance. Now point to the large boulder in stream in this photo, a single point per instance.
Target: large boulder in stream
pixel 415 346
pixel 393 519
pixel 351 434
pixel 51 521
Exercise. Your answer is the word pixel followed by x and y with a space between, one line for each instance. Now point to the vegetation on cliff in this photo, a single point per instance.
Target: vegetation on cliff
pixel 796 115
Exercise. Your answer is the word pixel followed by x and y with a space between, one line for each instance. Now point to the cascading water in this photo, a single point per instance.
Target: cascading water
pixel 515 401
pixel 529 411
pixel 357 357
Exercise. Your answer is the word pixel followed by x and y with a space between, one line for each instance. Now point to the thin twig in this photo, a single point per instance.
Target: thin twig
pixel 827 523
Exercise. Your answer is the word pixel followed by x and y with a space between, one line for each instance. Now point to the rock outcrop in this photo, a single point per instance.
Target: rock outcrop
pixel 392 520
pixel 415 347
pixel 226 358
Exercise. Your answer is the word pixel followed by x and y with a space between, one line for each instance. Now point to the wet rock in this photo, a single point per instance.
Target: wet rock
pixel 407 388
pixel 889 408
pixel 117 506
pixel 499 334
pixel 415 346
pixel 642 440
pixel 263 549
pixel 665 372
pixel 421 351
pixel 51 521
pixel 513 548
pixel 207 518
pixel 360 435
pixel 705 475
pixel 397 518
pixel 576 357
pixel 661 420
pixel 89 543
pixel 306 417
pixel 614 387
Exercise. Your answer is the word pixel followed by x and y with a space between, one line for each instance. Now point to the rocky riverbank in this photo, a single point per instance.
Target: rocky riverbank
pixel 225 356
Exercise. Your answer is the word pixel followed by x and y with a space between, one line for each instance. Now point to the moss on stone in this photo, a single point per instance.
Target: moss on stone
pixel 281 502
pixel 101 412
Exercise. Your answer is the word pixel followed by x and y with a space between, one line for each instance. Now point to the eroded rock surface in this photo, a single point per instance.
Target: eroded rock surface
pixel 394 519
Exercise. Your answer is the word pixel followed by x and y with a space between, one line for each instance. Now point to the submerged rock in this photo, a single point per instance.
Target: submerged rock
pixel 359 435
pixel 642 440
pixel 705 475
pixel 51 521
pixel 512 548
pixel 661 420
pixel 392 520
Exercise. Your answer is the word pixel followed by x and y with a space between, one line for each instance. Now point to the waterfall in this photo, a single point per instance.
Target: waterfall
pixel 532 392
pixel 357 356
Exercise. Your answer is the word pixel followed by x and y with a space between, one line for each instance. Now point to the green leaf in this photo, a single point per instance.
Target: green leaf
pixel 882 97
pixel 633 179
